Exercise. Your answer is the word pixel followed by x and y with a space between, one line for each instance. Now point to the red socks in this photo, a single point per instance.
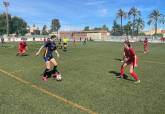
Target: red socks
pixel 134 75
pixel 122 71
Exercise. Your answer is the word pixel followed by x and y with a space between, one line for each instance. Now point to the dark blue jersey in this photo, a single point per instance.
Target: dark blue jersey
pixel 50 47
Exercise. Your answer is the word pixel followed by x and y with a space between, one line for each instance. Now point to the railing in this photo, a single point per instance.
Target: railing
pixel 151 39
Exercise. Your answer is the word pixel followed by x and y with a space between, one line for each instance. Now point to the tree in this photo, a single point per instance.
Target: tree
pixel 135 13
pixel 116 29
pixel 156 17
pixel 104 27
pixel 18 25
pixel 3 24
pixel 55 26
pixel 44 30
pixel 127 29
pixel 86 28
pixel 139 24
pixel 97 28
pixel 121 14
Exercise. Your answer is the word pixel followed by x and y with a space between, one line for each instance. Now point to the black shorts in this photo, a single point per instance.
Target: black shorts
pixel 65 43
pixel 48 58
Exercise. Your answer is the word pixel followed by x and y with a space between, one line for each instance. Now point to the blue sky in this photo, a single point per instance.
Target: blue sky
pixel 75 14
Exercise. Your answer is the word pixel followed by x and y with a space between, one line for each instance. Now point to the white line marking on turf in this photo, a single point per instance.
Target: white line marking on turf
pixel 65 101
pixel 17 71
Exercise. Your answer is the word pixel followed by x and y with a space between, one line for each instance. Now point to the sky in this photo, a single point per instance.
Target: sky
pixel 76 14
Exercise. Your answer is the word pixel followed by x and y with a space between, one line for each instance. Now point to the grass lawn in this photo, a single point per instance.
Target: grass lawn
pixel 89 82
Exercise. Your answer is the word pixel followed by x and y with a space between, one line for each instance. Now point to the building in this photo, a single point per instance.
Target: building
pixel 64 34
pixel 33 30
pixel 92 34
pixel 152 32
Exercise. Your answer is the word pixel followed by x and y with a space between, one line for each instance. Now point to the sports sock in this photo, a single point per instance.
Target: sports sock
pixel 47 72
pixel 55 69
pixel 134 75
pixel 122 71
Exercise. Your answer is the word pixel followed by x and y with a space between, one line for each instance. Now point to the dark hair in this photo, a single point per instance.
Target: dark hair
pixel 53 36
pixel 127 43
pixel 48 39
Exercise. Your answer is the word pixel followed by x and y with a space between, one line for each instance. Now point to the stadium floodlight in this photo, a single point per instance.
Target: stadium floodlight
pixel 6 4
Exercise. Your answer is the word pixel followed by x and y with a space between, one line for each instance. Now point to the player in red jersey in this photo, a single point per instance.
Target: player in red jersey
pixel 145 45
pixel 130 58
pixel 22 48
pixel 125 52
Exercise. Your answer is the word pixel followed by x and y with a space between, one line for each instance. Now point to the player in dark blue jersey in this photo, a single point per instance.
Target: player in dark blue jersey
pixel 49 47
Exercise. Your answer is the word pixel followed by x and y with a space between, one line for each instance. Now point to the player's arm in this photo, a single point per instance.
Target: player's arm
pixel 58 55
pixel 124 55
pixel 126 59
pixel 19 45
pixel 39 51
pixel 26 46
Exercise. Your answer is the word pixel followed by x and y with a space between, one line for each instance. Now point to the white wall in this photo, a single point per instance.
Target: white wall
pixel 95 36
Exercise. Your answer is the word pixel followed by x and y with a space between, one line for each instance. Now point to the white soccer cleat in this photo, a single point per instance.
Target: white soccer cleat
pixel 137 82
pixel 59 77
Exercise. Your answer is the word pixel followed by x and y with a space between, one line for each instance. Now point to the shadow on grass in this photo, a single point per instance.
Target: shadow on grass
pixel 117 59
pixel 118 74
pixel 49 76
pixel 24 55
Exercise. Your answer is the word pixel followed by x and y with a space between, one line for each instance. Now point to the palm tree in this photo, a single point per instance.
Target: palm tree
pixel 121 14
pixel 156 17
pixel 139 24
pixel 135 13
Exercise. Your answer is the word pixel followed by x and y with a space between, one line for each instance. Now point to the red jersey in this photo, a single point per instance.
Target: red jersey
pixel 131 54
pixel 145 42
pixel 22 44
pixel 126 53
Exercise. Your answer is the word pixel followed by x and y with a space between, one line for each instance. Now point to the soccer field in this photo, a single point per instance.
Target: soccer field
pixel 89 83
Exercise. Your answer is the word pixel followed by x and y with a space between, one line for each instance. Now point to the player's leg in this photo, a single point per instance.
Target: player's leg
pixel 145 49
pixel 20 51
pixel 23 52
pixel 55 71
pixel 55 64
pixel 133 74
pixel 65 46
pixel 122 70
pixel 47 72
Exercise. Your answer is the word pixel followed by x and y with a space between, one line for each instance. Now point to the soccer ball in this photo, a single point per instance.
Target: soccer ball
pixel 59 78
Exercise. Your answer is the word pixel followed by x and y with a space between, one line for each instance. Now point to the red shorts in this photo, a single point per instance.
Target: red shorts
pixel 145 47
pixel 133 62
pixel 22 50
